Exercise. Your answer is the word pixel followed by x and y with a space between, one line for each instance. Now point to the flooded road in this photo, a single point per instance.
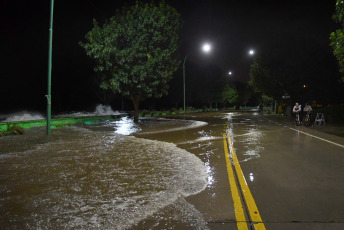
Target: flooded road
pixel 170 174
pixel 87 177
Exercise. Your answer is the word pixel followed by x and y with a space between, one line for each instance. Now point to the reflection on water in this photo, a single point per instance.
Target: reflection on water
pixel 126 126
pixel 86 179
pixel 248 133
pixel 251 177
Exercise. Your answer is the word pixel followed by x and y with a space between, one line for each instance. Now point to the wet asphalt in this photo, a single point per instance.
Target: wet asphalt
pixel 295 174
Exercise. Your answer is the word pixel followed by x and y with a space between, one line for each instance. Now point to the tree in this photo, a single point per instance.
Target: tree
pixel 136 50
pixel 337 38
pixel 263 81
pixel 229 95
pixel 244 91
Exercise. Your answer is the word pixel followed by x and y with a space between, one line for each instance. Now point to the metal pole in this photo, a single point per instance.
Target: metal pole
pixel 184 78
pixel 49 69
pixel 184 82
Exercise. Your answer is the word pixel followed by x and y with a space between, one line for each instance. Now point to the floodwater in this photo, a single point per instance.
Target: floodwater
pixel 91 177
pixel 115 175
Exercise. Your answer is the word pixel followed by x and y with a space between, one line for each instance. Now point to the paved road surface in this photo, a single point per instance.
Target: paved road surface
pixel 295 175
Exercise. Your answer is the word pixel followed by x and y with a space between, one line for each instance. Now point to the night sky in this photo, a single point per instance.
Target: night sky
pixel 287 29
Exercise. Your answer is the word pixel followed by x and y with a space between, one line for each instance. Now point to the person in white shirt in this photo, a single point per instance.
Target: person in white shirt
pixel 297 108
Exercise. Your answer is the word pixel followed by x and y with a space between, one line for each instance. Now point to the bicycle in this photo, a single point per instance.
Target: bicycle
pixel 297 119
pixel 307 120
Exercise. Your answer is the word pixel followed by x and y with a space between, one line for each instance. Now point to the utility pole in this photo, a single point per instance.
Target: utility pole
pixel 48 96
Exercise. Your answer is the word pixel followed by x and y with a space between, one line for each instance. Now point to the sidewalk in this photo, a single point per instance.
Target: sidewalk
pixel 333 129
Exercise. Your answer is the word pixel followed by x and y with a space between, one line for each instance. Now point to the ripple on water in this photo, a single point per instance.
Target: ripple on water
pixel 162 125
pixel 94 180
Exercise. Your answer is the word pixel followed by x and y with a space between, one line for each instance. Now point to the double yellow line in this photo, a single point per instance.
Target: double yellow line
pixel 252 211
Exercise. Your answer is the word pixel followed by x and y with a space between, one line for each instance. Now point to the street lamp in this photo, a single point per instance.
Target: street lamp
pixel 251 52
pixel 206 48
pixel 230 73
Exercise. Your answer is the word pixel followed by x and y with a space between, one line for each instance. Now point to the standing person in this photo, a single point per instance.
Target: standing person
pixel 297 111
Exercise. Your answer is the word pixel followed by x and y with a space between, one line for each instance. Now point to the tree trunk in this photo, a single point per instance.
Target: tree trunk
pixel 136 101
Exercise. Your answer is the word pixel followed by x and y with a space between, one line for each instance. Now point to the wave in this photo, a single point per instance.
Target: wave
pixel 90 179
pixel 176 125
pixel 23 116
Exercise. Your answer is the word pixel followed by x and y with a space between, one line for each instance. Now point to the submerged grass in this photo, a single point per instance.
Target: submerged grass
pixel 12 129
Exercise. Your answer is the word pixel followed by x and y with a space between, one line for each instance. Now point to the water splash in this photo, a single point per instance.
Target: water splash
pixel 100 110
pixel 105 110
pixel 23 116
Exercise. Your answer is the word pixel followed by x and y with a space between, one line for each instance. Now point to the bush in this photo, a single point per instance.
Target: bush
pixel 16 129
pixel 12 130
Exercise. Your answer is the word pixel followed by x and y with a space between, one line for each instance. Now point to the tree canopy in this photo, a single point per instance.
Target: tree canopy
pixel 229 95
pixel 337 37
pixel 135 51
pixel 265 81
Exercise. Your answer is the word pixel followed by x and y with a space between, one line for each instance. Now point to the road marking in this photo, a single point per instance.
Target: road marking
pixel 239 211
pixel 331 142
pixel 250 203
pixel 322 139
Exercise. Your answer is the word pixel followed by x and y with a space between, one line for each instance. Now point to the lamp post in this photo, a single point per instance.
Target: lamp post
pixel 206 48
pixel 48 96
pixel 230 73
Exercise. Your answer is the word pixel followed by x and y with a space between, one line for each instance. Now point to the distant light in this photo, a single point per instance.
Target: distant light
pixel 304 86
pixel 251 52
pixel 206 47
pixel 230 72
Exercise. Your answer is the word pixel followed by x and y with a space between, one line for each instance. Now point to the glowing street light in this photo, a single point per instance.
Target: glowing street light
pixel 206 49
pixel 230 73
pixel 251 52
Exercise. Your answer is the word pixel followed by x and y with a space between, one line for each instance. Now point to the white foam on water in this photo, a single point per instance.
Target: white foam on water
pixel 86 180
pixel 105 110
pixel 188 124
pixel 179 212
pixel 252 153
pixel 251 139
pixel 229 116
pixel 23 116
pixel 207 138
pixel 204 137
pixel 100 110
